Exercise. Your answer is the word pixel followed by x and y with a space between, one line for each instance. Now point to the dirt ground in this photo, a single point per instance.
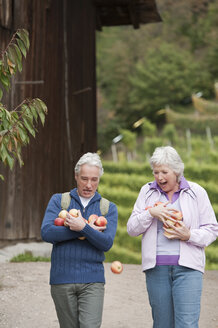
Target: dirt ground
pixel 25 300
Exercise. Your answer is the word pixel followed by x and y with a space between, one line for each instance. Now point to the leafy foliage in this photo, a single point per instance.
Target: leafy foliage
pixel 18 124
pixel 143 71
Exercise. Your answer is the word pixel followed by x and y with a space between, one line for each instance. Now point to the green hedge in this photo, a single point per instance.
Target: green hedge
pixel 132 182
pixel 193 171
pixel 124 255
pixel 120 196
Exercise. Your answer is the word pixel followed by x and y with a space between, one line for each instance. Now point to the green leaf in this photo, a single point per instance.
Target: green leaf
pixel 4 80
pixel 21 46
pixel 29 127
pixel 12 55
pixel 3 132
pixel 43 105
pixel 27 113
pixel 42 117
pixel 10 161
pixel 18 57
pixel 20 161
pixel 1 93
pixel 1 177
pixel 24 37
pixel 23 134
pixel 34 112
pixel 3 152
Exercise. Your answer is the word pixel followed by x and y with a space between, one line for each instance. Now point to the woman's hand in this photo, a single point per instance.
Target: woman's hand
pixel 75 224
pixel 180 231
pixel 161 212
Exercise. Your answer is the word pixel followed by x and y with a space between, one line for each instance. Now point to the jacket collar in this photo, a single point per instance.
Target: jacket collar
pixel 74 194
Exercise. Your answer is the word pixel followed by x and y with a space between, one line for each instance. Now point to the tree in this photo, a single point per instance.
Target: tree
pixel 165 76
pixel 18 124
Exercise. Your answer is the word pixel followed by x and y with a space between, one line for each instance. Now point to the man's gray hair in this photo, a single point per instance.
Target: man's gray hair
pixel 90 159
pixel 168 156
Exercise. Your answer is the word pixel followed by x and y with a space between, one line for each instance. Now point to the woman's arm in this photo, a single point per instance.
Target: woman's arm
pixel 140 219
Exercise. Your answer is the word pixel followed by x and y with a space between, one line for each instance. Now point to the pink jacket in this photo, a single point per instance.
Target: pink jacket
pixel 198 215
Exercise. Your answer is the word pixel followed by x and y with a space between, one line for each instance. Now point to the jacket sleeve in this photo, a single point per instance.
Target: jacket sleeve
pixel 207 231
pixel 49 231
pixel 103 240
pixel 140 219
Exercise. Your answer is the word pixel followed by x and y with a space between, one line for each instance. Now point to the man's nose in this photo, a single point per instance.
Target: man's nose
pixel 89 183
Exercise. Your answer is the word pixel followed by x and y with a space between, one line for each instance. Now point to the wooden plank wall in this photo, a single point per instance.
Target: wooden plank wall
pixel 62 55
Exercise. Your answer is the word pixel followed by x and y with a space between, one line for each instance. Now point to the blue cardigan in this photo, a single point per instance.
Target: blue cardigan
pixel 74 260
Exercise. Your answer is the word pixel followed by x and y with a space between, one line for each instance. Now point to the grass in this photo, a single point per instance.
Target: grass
pixel 28 257
pixel 123 255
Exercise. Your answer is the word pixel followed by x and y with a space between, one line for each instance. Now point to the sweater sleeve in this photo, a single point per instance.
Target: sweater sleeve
pixel 51 233
pixel 207 231
pixel 103 240
pixel 140 219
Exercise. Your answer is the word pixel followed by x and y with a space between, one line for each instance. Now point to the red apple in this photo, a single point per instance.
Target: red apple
pixel 74 212
pixel 116 267
pixel 92 218
pixel 101 221
pixel 177 215
pixel 59 221
pixel 158 203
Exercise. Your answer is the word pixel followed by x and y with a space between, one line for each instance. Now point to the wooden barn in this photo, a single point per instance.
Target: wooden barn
pixel 60 70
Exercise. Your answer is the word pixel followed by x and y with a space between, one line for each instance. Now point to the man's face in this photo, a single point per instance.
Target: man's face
pixel 87 180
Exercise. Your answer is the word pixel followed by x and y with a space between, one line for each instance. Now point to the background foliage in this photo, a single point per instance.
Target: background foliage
pixel 17 124
pixel 155 67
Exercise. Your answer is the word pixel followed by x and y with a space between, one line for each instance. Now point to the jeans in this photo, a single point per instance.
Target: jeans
pixel 79 305
pixel 174 294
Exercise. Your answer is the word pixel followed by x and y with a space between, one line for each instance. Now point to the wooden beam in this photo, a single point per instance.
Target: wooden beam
pixel 133 14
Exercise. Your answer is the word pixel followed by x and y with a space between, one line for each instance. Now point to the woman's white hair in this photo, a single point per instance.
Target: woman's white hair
pixel 90 159
pixel 168 156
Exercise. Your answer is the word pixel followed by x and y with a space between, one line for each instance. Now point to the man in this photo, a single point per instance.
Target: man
pixel 77 271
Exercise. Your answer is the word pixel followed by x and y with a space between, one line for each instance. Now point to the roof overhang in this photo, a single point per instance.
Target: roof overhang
pixel 126 12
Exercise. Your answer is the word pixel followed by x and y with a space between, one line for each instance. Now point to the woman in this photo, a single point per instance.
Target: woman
pixel 173 257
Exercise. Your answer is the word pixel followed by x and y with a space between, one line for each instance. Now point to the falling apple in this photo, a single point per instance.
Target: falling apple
pixel 116 267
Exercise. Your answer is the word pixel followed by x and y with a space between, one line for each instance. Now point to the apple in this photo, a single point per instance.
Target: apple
pixel 101 221
pixel 116 267
pixel 158 203
pixel 59 221
pixel 177 215
pixel 73 212
pixel 92 218
pixel 63 214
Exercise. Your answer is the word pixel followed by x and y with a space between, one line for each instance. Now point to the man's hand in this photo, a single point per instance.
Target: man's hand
pixel 92 224
pixel 75 224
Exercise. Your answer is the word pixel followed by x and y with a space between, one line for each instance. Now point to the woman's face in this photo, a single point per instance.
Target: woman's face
pixel 165 178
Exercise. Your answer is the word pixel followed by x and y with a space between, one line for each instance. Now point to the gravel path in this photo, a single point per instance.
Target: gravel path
pixel 25 300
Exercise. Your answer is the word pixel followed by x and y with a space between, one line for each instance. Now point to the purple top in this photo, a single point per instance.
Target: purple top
pixel 169 259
